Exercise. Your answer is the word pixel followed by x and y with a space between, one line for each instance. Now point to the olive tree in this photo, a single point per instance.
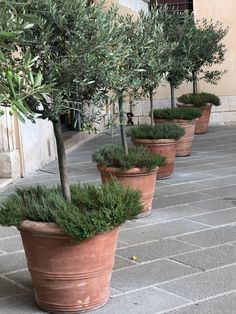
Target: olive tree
pixel 74 43
pixel 176 29
pixel 153 53
pixel 207 49
pixel 17 80
pixel 122 77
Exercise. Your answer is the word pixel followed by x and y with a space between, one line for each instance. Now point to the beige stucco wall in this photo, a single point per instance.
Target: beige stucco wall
pixel 225 12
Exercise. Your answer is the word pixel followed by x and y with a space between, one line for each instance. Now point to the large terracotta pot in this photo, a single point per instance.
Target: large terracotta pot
pixel 185 143
pixel 164 147
pixel 203 122
pixel 68 277
pixel 134 178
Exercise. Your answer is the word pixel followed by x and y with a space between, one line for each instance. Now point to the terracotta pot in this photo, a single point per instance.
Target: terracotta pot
pixel 164 147
pixel 203 122
pixel 135 178
pixel 68 277
pixel 184 144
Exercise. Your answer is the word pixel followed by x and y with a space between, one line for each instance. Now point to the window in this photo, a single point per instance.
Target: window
pixel 135 5
pixel 176 6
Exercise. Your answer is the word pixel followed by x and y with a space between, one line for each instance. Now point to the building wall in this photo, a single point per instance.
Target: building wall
pixel 37 144
pixel 9 152
pixel 224 12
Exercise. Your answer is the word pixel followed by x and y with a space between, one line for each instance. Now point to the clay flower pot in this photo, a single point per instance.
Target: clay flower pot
pixel 185 143
pixel 68 277
pixel 164 147
pixel 134 178
pixel 203 122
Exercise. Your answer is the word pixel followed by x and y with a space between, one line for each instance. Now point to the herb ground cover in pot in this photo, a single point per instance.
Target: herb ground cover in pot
pixel 159 139
pixel 186 118
pixel 70 248
pixel 204 102
pixel 137 169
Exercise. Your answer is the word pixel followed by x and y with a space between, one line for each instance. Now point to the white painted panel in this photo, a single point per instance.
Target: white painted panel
pixel 135 5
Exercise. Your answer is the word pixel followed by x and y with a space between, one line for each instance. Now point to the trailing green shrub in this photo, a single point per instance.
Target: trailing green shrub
pixel 177 113
pixel 114 156
pixel 157 131
pixel 94 209
pixel 201 99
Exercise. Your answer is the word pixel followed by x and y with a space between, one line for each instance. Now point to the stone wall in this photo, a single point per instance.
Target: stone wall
pixel 226 113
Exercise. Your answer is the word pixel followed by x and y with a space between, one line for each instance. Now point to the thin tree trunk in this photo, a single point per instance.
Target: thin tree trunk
pixel 65 186
pixel 151 106
pixel 172 97
pixel 122 124
pixel 194 82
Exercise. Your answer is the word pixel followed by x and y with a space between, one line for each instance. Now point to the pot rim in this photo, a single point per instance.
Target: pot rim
pixel 132 171
pixel 180 121
pixel 49 229
pixel 154 141
pixel 192 105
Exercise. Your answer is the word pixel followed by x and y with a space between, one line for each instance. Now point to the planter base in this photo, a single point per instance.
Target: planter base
pixel 68 277
pixel 44 307
pixel 165 172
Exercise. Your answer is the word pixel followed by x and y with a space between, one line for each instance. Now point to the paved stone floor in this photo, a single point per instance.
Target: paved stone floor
pixel 186 249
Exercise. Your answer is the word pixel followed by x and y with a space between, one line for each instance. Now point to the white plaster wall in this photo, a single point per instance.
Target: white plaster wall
pixel 38 144
pixel 135 5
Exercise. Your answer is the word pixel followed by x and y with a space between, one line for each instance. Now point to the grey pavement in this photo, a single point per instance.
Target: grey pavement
pixel 185 251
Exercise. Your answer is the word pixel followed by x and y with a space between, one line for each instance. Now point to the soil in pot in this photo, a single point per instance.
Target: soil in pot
pixel 137 179
pixel 164 147
pixel 68 277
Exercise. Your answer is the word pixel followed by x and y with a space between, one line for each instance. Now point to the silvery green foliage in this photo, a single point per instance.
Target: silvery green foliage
pixel 207 49
pixel 74 43
pixel 177 33
pixel 153 50
pixel 17 79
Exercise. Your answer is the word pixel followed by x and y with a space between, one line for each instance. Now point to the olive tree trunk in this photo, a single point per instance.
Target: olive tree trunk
pixel 172 97
pixel 151 106
pixel 194 75
pixel 122 124
pixel 65 186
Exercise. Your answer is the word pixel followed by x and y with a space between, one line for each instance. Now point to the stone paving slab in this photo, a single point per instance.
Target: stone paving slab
pixel 214 204
pixel 221 217
pixel 212 237
pixel 184 198
pixel 145 301
pixel 140 276
pixel 225 304
pixel 185 249
pixel 155 250
pixel 159 231
pixel 173 213
pixel 21 277
pixel 204 285
pixel 205 259
pixel 21 304
pixel 179 189
pixel 11 244
pixel 8 288
pixel 12 262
